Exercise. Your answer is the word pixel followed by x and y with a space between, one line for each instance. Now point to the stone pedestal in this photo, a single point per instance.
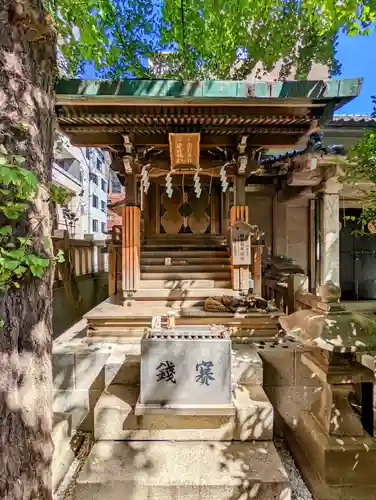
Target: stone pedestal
pixel 336 455
pixel 332 443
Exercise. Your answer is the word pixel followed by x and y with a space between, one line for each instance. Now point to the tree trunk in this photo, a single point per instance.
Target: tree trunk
pixel 27 127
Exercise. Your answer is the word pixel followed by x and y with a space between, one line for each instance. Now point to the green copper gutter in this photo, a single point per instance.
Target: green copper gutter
pixel 128 92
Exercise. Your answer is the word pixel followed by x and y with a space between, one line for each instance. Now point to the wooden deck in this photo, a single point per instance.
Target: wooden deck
pixel 113 318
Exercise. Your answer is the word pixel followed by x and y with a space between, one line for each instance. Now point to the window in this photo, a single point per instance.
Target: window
pixel 103 206
pixel 103 227
pixel 115 184
pixel 99 164
pixel 95 201
pixel 95 226
pixel 94 178
pixel 104 185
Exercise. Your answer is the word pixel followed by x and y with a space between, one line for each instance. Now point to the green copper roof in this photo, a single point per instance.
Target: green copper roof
pixel 316 90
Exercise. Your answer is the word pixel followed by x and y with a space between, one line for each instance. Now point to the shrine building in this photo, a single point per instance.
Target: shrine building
pixel 224 327
pixel 197 158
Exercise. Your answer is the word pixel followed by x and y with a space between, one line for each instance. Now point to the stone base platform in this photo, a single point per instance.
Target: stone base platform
pixel 157 470
pixel 115 418
pixel 338 468
pixel 181 409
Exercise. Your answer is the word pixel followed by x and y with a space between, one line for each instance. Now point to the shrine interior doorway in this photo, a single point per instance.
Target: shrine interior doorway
pixel 184 212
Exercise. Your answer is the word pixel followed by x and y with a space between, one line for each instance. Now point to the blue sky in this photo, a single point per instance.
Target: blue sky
pixel 358 58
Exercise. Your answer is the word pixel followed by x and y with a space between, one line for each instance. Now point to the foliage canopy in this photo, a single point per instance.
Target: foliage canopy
pixel 222 39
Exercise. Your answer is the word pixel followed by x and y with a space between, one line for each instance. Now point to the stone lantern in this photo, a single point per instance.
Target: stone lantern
pixel 333 441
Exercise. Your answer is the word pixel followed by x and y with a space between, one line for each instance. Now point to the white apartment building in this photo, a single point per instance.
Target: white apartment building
pixel 88 169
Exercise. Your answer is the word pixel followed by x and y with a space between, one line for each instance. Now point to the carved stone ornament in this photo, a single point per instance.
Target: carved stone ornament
pixel 329 292
pixel 330 326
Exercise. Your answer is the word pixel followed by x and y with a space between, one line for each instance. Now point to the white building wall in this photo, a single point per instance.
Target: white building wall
pixel 64 179
pixel 91 168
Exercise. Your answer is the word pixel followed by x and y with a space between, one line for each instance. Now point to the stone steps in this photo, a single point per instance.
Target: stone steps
pixel 221 253
pixel 183 245
pixel 115 419
pixel 189 269
pixel 171 274
pixel 193 295
pixel 184 283
pixel 206 258
pixel 194 260
pixel 155 470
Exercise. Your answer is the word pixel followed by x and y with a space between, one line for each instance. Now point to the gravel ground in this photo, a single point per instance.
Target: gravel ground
pixel 298 486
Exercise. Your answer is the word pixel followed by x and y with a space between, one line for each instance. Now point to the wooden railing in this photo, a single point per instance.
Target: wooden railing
pixel 290 296
pixel 82 256
pixel 276 291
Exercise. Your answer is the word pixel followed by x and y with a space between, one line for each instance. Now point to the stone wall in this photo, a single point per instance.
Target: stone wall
pixel 291 231
pixel 288 384
pixel 297 231
pixel 291 226
pixel 93 288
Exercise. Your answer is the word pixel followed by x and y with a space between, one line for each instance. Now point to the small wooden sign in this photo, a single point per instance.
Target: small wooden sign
pixel 184 150
pixel 241 233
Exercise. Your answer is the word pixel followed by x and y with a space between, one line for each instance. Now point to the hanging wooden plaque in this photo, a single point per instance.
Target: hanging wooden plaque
pixel 241 243
pixel 184 150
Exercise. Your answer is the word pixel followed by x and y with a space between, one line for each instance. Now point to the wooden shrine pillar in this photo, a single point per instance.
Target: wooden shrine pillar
pixel 238 213
pixel 131 216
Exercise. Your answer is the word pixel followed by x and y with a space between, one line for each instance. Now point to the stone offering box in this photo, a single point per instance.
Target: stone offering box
pixel 186 370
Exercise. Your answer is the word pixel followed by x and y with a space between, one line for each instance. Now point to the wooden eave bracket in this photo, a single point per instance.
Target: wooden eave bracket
pixel 128 158
pixel 242 160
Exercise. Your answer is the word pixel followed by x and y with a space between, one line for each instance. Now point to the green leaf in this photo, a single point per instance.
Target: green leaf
pixel 11 264
pixel 36 261
pixel 6 230
pixel 23 240
pixel 36 271
pixel 20 271
pixel 14 211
